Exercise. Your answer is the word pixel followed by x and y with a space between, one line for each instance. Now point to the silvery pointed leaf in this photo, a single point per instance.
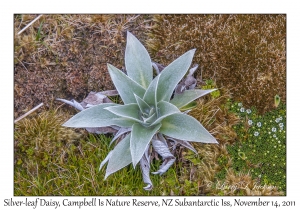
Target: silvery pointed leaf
pixel 192 70
pixel 150 119
pixel 101 130
pixel 105 160
pixel 172 74
pixel 165 109
pixel 185 127
pixel 129 111
pixel 97 116
pixel 72 103
pixel 137 61
pixel 120 132
pixel 120 156
pixel 180 100
pixel 144 107
pixel 139 141
pixel 125 85
pixel 189 106
pixel 150 96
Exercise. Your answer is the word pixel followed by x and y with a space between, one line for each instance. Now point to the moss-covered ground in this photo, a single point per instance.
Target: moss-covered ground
pixel 65 56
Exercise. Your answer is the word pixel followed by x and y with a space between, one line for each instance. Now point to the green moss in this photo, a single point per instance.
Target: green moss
pixel 210 84
pixel 261 148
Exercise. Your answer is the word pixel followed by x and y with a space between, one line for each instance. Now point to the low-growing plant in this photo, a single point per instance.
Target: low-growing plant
pixel 261 148
pixel 151 113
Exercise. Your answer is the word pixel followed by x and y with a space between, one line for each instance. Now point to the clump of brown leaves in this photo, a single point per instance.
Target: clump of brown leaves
pixel 244 53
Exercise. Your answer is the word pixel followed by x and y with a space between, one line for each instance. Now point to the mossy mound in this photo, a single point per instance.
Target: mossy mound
pixel 244 53
pixel 66 56
pixel 261 149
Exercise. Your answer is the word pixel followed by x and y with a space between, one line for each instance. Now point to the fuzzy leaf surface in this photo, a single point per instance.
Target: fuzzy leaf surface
pixel 139 141
pixel 150 119
pixel 138 62
pixel 150 96
pixel 165 109
pixel 97 116
pixel 144 107
pixel 125 86
pixel 189 106
pixel 129 111
pixel 72 103
pixel 187 128
pixel 180 100
pixel 120 157
pixel 172 74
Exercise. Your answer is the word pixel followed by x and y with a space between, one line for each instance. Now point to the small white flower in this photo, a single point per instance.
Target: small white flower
pixel 274 135
pixel 250 122
pixel 242 109
pixel 248 111
pixel 240 104
pixel 274 129
pixel 281 125
pixel 256 133
pixel 277 120
pixel 280 118
pixel 258 124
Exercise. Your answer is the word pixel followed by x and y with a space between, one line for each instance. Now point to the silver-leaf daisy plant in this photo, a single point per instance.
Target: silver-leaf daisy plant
pixel 151 118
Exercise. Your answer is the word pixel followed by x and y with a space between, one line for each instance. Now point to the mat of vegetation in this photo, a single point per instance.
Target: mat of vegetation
pixel 244 53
